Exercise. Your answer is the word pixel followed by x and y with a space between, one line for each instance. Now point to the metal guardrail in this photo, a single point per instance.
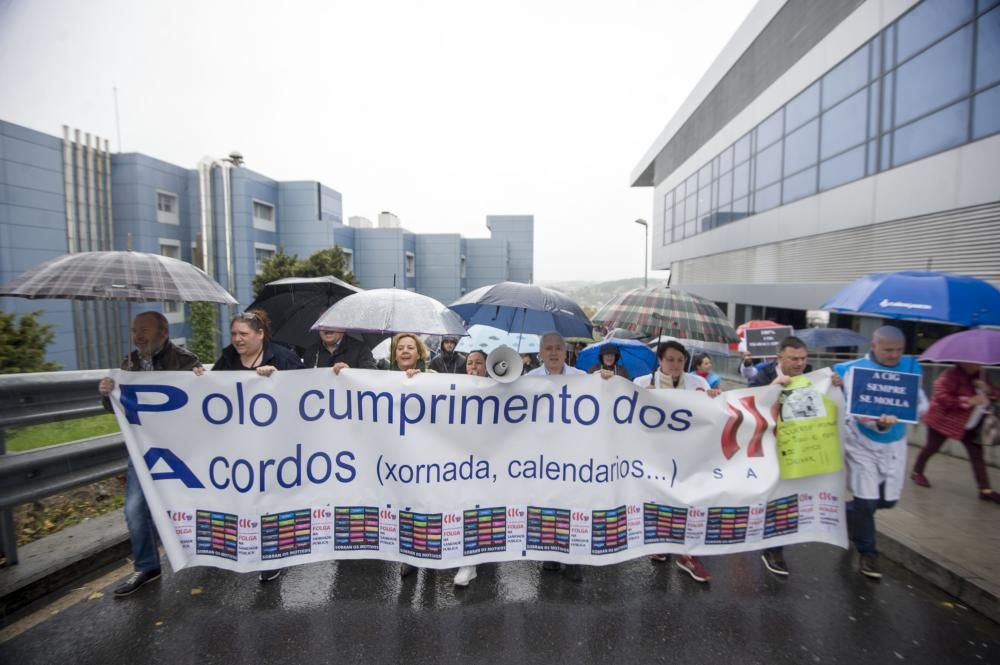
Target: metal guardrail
pixel 27 399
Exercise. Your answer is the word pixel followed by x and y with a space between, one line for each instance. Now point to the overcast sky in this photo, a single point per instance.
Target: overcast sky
pixel 441 112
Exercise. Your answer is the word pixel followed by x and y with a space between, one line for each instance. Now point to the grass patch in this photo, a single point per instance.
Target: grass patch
pixel 29 437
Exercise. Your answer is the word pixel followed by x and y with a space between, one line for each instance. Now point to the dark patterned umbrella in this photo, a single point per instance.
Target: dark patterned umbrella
pixel 657 310
pixel 127 276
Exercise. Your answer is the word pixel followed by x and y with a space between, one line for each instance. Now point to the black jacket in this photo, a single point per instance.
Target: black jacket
pixel 449 363
pixel 274 354
pixel 768 373
pixel 171 358
pixel 353 352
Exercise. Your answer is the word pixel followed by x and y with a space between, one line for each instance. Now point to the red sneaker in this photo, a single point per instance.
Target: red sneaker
pixel 694 568
pixel 920 479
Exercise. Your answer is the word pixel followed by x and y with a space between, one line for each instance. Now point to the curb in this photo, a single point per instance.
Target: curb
pixel 950 577
pixel 55 561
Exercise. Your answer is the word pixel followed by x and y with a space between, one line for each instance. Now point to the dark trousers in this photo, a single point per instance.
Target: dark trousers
pixel 861 521
pixel 936 439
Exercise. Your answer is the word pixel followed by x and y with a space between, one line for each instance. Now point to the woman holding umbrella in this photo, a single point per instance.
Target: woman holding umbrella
pixel 252 351
pixel 959 404
pixel 670 375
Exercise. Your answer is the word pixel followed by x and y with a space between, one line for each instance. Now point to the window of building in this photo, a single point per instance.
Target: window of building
pixel 263 216
pixel 770 130
pixel 725 189
pixel 726 160
pixel 768 166
pixel 844 125
pixel 929 80
pixel 803 108
pixel 348 259
pixel 846 78
pixel 927 22
pixel 741 149
pixel 843 168
pixel 799 185
pixel 411 264
pixel 939 131
pixel 800 148
pixel 767 198
pixel 986 113
pixel 903 95
pixel 741 180
pixel 166 208
pixel 988 49
pixel 174 311
pixel 262 252
pixel 461 267
pixel 874 94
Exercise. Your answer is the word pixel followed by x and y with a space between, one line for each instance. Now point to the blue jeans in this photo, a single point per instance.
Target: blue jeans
pixel 141 530
pixel 861 521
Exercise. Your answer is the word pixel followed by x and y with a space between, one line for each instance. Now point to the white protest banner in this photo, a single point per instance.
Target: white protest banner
pixel 246 472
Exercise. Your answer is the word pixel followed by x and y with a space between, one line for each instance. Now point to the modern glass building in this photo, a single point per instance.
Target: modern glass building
pixel 829 140
pixel 71 194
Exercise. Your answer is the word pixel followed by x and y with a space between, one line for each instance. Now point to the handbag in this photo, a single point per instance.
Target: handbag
pixel 989 430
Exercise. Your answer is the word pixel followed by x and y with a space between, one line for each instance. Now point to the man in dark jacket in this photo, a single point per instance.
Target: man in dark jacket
pixel 153 352
pixel 448 361
pixel 791 362
pixel 339 351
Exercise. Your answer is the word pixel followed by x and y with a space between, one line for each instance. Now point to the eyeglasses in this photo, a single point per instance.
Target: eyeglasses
pixel 247 316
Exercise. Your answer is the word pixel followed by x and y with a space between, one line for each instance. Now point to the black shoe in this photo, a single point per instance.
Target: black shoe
pixel 269 575
pixel 406 569
pixel 775 562
pixel 134 581
pixel 552 566
pixel 574 572
pixel 869 566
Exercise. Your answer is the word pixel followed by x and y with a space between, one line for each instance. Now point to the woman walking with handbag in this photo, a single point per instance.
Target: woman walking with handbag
pixel 961 401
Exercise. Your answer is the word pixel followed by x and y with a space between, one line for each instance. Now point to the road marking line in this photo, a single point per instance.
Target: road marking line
pixel 63 603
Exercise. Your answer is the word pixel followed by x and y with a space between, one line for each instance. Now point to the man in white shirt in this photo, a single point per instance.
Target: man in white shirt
pixel 552 355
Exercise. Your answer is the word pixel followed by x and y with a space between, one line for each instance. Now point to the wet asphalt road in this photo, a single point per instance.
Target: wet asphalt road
pixel 637 612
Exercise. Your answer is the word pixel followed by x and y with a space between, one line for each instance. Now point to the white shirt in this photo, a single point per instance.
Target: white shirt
pixel 691 382
pixel 543 370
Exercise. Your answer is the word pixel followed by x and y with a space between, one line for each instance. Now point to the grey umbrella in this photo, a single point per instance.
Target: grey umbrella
pixel 389 311
pixel 117 275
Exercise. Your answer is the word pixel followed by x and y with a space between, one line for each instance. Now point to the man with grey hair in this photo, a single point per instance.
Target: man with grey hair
pixel 154 352
pixel 875 449
pixel 552 356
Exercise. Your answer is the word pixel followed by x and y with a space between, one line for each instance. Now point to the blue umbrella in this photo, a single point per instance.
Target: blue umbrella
pixel 927 296
pixel 824 338
pixel 523 308
pixel 637 358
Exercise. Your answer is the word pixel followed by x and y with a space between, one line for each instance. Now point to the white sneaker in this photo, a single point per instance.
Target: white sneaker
pixel 465 575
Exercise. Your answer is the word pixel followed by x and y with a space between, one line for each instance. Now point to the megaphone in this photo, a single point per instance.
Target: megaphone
pixel 504 364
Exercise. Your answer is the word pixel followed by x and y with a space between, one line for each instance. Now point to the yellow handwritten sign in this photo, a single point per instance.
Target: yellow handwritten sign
pixel 808 445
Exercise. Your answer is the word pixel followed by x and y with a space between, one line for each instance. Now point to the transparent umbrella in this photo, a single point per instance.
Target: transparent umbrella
pixel 390 311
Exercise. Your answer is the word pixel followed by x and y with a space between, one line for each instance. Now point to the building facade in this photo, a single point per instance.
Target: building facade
pixel 71 194
pixel 827 141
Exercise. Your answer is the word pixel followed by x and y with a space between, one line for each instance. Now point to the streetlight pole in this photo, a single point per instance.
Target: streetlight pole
pixel 645 264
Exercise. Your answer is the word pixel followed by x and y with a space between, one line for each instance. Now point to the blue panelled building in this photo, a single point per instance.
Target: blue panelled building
pixel 71 194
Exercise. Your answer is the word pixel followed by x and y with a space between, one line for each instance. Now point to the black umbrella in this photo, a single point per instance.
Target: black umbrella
pixel 293 304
